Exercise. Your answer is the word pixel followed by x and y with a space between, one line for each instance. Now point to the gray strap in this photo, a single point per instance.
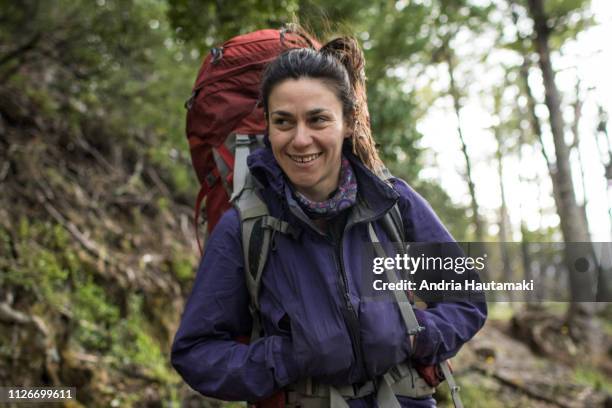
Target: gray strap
pixel 251 208
pixel 249 204
pixel 412 325
pixel 240 163
pixel 385 396
pixel 454 388
pixel 253 281
pixel 336 400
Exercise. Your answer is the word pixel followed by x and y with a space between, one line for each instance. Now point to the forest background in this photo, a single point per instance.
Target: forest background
pixel 469 102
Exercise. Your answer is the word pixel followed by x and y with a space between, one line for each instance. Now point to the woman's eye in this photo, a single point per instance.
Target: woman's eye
pixel 318 119
pixel 280 122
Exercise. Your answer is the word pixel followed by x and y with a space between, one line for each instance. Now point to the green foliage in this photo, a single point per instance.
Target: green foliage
pixel 566 19
pixel 114 62
pixel 394 126
pixel 591 376
pixel 207 23
pixel 43 264
pixel 95 313
pixel 453 216
pixel 134 345
pixel 472 394
pixel 216 21
pixel 182 265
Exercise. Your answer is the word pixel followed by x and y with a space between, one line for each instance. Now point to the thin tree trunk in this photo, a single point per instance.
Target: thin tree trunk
pixel 536 128
pixel 476 220
pixel 504 222
pixel 602 129
pixel 576 142
pixel 602 133
pixel 576 146
pixel 525 254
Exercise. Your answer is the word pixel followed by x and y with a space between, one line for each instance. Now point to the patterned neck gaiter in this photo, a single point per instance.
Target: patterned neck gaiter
pixel 342 198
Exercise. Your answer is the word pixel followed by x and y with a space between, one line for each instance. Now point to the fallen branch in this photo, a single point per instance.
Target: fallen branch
pixel 158 181
pixel 88 244
pixel 96 155
pixel 10 315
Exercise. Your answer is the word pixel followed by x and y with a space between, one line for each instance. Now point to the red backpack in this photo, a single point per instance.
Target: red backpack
pixel 224 120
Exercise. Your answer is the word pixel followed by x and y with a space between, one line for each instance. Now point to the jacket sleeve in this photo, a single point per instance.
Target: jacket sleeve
pixel 448 325
pixel 205 350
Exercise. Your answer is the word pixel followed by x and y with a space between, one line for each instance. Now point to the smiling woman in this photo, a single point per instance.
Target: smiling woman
pixel 323 342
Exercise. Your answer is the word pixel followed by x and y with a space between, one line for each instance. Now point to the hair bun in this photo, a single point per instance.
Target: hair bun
pixel 347 50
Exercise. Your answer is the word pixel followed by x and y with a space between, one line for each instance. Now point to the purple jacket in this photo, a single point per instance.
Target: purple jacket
pixel 314 312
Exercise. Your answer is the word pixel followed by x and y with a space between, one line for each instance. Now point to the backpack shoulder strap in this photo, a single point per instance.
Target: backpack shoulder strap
pixel 257 229
pixel 255 244
pixel 405 306
pixel 393 223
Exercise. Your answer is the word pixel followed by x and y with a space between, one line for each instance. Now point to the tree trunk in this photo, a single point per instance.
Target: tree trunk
pixel 476 220
pixel 536 128
pixel 573 227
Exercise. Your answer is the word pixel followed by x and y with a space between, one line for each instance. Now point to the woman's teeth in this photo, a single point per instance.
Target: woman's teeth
pixel 304 159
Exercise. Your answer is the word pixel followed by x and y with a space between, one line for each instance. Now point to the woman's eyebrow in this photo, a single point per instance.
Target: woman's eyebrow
pixel 311 112
pixel 281 112
pixel 316 111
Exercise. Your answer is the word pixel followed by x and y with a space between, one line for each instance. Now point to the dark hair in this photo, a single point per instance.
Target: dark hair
pixel 340 64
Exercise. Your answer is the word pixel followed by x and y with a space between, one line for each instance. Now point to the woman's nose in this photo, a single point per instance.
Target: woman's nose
pixel 302 137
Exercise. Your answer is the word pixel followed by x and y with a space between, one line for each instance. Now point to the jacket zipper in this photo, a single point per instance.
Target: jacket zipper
pixel 353 321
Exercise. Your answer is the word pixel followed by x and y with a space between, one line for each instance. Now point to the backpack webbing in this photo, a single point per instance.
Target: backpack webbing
pixel 401 298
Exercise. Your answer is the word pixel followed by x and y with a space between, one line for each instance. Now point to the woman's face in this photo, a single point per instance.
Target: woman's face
pixel 306 130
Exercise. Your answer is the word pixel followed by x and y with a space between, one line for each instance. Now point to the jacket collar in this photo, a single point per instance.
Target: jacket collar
pixel 374 196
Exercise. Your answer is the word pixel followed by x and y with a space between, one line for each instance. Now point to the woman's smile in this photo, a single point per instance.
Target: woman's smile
pixel 304 158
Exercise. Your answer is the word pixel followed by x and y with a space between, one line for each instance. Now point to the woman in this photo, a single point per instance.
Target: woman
pixel 318 173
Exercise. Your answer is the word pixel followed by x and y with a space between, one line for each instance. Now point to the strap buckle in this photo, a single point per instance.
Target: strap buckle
pixel 245 140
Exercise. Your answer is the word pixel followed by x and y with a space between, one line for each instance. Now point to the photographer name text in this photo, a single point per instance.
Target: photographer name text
pixel 452 285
